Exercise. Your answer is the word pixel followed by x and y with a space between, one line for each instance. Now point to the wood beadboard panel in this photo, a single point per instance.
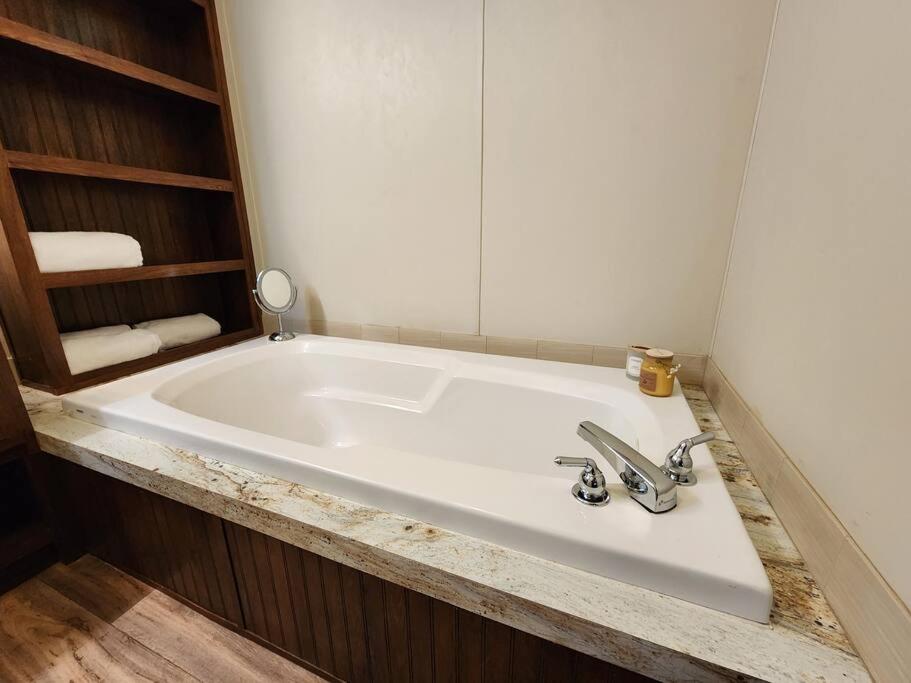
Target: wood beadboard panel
pixel 170 39
pixel 874 617
pixel 166 542
pixel 26 35
pixel 80 308
pixel 325 615
pixel 75 119
pixel 362 628
pixel 172 225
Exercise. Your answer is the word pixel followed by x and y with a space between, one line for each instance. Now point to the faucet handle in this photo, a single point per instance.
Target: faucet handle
pixel 678 465
pixel 590 487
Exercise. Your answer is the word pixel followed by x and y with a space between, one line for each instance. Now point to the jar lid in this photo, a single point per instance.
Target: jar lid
pixel 659 354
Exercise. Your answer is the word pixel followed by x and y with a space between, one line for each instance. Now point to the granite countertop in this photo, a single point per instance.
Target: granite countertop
pixel 657 635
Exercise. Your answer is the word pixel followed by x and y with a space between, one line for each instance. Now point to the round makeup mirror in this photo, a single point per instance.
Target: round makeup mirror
pixel 275 293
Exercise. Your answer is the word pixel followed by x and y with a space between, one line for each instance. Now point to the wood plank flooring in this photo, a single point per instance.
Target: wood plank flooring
pixel 88 622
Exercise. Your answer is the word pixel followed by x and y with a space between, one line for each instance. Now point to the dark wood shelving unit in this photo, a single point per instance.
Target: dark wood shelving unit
pixel 39 40
pixel 114 116
pixel 82 278
pixel 25 161
pixel 88 379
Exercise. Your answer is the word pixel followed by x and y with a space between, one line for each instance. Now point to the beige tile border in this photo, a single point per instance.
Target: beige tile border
pixel 380 333
pixel 476 343
pixel 513 346
pixel 565 352
pixel 414 337
pixel 692 366
pixel 875 618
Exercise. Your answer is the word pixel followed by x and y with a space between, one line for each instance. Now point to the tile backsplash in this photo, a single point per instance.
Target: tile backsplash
pixel 691 370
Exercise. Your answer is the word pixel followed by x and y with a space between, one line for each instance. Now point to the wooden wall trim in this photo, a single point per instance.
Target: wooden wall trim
pixel 874 617
pixel 24 305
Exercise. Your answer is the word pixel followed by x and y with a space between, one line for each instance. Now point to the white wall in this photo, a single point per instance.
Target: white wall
pixel 609 126
pixel 615 136
pixel 363 124
pixel 815 320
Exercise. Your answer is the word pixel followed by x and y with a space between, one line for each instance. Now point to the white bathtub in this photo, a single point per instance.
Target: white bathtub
pixel 460 440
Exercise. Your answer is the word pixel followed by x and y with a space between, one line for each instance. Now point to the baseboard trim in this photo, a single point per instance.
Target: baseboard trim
pixel 692 366
pixel 873 616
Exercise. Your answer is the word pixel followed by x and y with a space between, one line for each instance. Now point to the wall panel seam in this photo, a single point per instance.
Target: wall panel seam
pixel 743 180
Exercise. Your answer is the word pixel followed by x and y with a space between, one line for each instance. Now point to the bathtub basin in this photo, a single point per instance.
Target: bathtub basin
pixel 463 441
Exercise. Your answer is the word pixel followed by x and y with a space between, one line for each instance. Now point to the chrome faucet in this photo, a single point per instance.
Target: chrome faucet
pixel 678 465
pixel 647 484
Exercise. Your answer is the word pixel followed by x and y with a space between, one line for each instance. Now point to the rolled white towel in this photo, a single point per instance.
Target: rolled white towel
pixel 84 353
pixel 185 329
pixel 96 332
pixel 58 252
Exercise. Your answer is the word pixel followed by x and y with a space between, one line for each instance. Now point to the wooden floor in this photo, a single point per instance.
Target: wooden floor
pixel 90 622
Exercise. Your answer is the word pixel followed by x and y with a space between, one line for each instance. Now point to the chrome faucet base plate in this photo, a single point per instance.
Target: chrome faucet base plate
pixel 682 480
pixel 281 336
pixel 582 497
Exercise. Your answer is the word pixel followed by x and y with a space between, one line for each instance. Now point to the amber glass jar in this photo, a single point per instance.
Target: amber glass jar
pixel 656 376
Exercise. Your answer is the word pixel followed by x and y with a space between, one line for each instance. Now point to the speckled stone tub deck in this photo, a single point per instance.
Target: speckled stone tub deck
pixel 654 634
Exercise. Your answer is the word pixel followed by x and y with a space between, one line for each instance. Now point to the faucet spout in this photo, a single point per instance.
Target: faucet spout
pixel 644 480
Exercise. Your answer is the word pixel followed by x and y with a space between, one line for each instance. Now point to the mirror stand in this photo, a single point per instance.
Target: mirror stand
pixel 282 334
pixel 275 293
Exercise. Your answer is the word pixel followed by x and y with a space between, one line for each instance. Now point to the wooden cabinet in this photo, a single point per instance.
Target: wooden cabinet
pixel 114 116
pixel 338 621
pixel 26 543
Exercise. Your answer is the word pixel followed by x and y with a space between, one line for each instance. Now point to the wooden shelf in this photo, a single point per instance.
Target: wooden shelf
pixel 83 278
pixel 46 42
pixel 26 161
pixel 100 375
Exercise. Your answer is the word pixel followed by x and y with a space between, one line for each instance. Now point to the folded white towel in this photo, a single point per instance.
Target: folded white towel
pixel 96 332
pixel 185 329
pixel 84 353
pixel 58 252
